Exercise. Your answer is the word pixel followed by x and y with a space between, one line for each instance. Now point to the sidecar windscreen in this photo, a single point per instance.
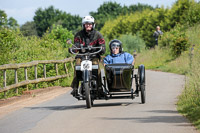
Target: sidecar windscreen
pixel 119 77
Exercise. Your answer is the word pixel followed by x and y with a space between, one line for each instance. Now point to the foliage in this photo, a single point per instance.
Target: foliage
pixel 154 58
pixel 3 18
pixel 146 21
pixel 12 23
pixel 9 44
pixel 187 63
pixel 29 29
pixel 15 48
pixel 188 103
pixel 193 15
pixel 176 40
pixel 111 10
pixel 7 22
pixel 132 43
pixel 60 34
pixel 44 19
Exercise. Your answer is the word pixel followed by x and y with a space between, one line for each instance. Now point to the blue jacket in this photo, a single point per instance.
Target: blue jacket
pixel 119 58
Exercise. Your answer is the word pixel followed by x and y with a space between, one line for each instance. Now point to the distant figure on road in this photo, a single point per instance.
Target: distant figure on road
pixel 156 34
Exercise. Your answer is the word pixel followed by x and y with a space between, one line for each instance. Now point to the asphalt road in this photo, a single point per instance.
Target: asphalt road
pixel 64 114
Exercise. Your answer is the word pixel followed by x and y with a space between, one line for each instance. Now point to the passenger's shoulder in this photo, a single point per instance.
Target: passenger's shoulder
pixel 108 56
pixel 128 54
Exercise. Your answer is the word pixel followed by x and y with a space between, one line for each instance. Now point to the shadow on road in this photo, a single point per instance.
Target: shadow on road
pixel 72 107
pixel 152 119
pixel 166 117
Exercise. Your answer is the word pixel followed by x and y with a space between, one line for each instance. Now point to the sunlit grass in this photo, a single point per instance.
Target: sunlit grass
pixel 154 58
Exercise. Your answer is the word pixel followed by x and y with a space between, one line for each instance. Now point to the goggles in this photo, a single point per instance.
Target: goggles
pixel 115 45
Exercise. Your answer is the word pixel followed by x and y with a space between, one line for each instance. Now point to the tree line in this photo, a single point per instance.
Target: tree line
pixel 44 19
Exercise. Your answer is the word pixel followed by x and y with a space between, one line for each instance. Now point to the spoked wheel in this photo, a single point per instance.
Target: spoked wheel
pixel 87 95
pixel 142 83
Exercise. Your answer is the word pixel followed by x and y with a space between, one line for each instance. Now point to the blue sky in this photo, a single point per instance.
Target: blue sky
pixel 24 10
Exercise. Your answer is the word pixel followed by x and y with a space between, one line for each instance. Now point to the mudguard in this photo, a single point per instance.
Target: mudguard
pixel 86 76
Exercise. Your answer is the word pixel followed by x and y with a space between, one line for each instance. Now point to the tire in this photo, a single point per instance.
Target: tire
pixel 143 94
pixel 142 83
pixel 87 95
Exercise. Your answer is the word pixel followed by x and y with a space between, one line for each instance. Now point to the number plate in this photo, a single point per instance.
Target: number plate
pixel 86 65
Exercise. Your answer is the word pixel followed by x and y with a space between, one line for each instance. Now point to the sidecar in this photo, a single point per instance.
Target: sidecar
pixel 118 81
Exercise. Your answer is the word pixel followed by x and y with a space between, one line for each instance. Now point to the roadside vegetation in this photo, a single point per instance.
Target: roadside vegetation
pixel 178 50
pixel 188 64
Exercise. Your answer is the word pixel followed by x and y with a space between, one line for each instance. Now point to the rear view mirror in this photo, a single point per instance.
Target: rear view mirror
pixel 69 41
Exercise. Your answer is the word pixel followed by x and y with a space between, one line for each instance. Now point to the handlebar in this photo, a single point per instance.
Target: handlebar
pixel 86 48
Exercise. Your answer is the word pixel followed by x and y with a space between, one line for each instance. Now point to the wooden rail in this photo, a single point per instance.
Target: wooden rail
pixel 34 64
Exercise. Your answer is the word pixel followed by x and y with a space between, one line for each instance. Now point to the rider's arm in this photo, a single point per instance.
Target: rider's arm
pixel 77 42
pixel 101 42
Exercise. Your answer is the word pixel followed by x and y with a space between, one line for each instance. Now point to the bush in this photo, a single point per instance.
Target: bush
pixel 16 48
pixel 176 39
pixel 9 43
pixel 132 43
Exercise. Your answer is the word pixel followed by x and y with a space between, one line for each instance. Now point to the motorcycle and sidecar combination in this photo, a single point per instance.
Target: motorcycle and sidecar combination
pixel 115 82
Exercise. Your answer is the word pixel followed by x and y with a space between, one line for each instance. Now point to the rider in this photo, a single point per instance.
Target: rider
pixel 87 37
pixel 117 55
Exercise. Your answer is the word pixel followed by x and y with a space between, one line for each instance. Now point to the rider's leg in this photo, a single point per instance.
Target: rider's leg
pixel 75 81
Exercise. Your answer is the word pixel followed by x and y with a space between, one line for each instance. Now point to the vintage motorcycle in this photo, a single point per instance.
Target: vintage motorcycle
pixel 115 82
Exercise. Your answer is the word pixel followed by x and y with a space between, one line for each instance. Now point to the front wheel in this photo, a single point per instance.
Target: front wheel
pixel 87 95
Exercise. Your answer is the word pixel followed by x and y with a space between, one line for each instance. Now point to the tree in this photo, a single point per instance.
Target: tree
pixel 12 23
pixel 111 10
pixel 29 29
pixel 44 19
pixel 72 23
pixel 3 18
pixel 106 11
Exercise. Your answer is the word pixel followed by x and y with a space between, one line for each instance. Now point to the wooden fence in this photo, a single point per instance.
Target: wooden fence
pixel 34 64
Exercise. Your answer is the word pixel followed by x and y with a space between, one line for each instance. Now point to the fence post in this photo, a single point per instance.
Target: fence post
pixel 72 66
pixel 56 67
pixel 45 75
pixel 4 81
pixel 35 71
pixel 26 76
pixel 16 80
pixel 35 67
pixel 66 70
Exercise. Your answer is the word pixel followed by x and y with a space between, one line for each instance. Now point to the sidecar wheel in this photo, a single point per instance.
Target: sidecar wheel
pixel 87 95
pixel 143 94
pixel 141 71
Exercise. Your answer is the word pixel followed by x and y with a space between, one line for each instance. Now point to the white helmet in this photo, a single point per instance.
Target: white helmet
pixel 88 19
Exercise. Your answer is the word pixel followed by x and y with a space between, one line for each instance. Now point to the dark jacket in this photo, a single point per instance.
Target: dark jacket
pixel 93 38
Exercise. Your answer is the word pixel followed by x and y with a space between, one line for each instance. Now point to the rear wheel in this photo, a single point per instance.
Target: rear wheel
pixel 87 95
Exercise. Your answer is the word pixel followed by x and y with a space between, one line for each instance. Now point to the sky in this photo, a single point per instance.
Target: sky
pixel 24 10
